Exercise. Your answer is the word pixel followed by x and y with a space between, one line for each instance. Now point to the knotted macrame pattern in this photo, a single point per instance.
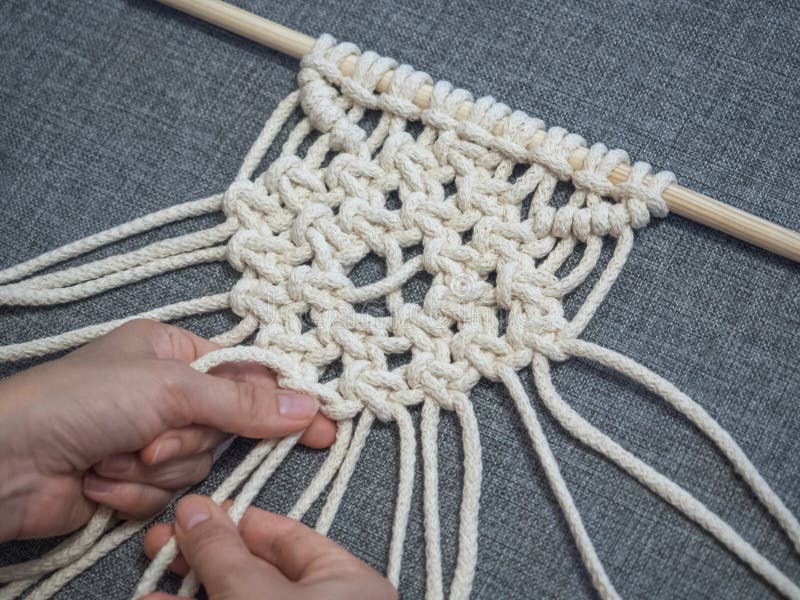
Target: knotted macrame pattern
pixel 476 213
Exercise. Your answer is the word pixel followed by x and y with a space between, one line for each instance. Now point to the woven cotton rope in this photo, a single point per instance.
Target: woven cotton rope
pixel 480 205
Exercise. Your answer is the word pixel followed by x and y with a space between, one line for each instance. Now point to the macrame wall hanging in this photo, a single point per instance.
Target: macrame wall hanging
pixel 296 229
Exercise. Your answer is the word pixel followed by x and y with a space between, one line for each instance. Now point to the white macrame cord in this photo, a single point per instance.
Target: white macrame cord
pixel 295 231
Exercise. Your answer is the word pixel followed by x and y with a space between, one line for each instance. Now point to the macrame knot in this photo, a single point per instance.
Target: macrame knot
pixel 487 113
pixel 465 288
pixel 323 60
pixel 643 193
pixel 444 242
pixel 398 150
pixel 546 345
pixel 423 328
pixel 235 195
pixel 403 88
pixel 518 129
pixel 346 136
pixel 279 170
pixel 487 353
pixel 602 218
pixel 237 247
pixel 600 162
pixel 524 282
pixel 486 118
pixel 535 311
pixel 516 132
pixel 346 170
pixel 319 103
pixel 439 380
pixel 241 296
pixel 445 102
pixel 541 333
pixel 302 231
pixel 369 70
pixel 316 288
pixel 299 284
pixel 371 385
pixel 553 152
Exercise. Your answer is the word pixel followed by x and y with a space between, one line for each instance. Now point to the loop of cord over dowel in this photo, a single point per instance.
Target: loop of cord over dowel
pixel 680 200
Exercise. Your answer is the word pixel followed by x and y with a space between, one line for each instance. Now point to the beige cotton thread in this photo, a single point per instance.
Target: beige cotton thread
pixel 296 230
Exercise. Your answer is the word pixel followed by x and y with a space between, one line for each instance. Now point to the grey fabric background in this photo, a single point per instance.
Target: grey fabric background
pixel 110 110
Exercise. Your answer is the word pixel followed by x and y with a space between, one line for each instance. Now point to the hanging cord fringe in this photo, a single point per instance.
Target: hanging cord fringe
pixel 169 551
pixel 23 296
pixel 113 264
pixel 664 487
pixel 405 489
pixel 586 549
pixel 467 556
pixel 139 225
pixel 429 427
pixel 700 419
pixel 65 553
pixel 70 339
pixel 328 470
pixel 258 479
pixel 112 272
pixel 56 581
pixel 334 498
pixel 190 585
pixel 88 557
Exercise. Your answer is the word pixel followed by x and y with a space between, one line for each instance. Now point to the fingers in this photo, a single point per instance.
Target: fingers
pixel 171 475
pixel 194 439
pixel 275 556
pixel 167 341
pixel 321 433
pixel 241 398
pixel 138 491
pixel 191 440
pixel 146 338
pixel 211 545
pixel 320 567
pixel 155 538
pixel 177 443
pixel 133 500
pixel 290 545
pixel 252 407
pixel 158 535
pixel 283 542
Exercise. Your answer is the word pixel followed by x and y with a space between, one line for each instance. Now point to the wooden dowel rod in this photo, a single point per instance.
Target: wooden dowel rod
pixel 246 24
pixel 680 200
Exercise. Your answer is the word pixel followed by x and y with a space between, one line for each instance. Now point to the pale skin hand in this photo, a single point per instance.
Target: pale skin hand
pixel 125 421
pixel 268 557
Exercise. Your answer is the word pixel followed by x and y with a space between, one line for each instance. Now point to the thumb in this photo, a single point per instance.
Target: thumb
pixel 252 407
pixel 211 544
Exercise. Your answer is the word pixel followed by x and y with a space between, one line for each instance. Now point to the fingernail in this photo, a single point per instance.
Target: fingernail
pixel 295 405
pixel 191 511
pixel 166 449
pixel 116 463
pixel 93 483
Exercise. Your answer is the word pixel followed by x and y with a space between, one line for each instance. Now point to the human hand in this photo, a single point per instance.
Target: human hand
pixel 124 421
pixel 268 556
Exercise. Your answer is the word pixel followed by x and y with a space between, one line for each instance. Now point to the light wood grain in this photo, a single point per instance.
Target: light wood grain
pixel 680 200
